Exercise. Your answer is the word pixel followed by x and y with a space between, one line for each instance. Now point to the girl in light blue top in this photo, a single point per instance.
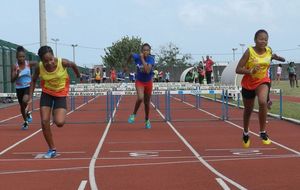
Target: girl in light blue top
pixel 20 73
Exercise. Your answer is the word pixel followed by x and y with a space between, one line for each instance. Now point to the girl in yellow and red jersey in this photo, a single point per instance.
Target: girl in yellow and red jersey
pixel 254 64
pixel 55 87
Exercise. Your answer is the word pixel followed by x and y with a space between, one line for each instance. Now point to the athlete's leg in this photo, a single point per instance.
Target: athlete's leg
pixel 140 97
pixel 262 95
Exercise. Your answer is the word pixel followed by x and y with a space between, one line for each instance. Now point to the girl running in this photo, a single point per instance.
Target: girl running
pixel 54 78
pixel 254 64
pixel 144 63
pixel 20 73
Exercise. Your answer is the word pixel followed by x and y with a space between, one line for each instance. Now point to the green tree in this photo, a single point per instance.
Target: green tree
pixel 116 55
pixel 169 57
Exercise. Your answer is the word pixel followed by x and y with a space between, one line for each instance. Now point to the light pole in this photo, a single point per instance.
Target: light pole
pixel 74 45
pixel 42 18
pixel 242 46
pixel 55 41
pixel 233 52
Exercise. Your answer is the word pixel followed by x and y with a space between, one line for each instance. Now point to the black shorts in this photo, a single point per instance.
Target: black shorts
pixel 250 94
pixel 53 101
pixel 21 92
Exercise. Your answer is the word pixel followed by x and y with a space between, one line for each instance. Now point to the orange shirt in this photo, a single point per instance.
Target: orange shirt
pixel 252 81
pixel 55 83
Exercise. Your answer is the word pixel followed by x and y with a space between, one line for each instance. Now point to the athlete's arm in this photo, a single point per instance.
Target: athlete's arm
pixel 240 68
pixel 278 58
pixel 14 73
pixel 147 67
pixel 67 63
pixel 35 76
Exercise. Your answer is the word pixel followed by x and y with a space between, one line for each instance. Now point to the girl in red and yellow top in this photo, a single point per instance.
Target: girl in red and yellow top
pixel 255 64
pixel 55 87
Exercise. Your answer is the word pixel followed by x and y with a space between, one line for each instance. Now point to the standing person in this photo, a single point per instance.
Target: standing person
pixel 113 76
pixel 296 80
pixel 254 64
pixel 208 68
pixel 276 57
pixel 98 76
pixel 20 73
pixel 104 75
pixel 292 73
pixel 201 72
pixel 167 76
pixel 278 73
pixel 144 63
pixel 155 75
pixel 55 82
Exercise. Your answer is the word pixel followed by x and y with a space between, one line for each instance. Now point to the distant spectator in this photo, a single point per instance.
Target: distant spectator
pixel 113 76
pixel 97 75
pixel 208 68
pixel 292 74
pixel 160 76
pixel 201 72
pixel 104 75
pixel 278 73
pixel 155 77
pixel 167 76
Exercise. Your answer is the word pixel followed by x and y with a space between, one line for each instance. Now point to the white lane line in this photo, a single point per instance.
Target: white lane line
pixel 92 179
pixel 19 142
pixel 240 127
pixel 206 164
pixel 2 121
pixel 239 149
pixel 82 185
pixel 104 166
pixel 140 142
pixel 208 158
pixel 39 156
pixel 28 137
pixel 222 184
pixel 75 152
pixel 145 150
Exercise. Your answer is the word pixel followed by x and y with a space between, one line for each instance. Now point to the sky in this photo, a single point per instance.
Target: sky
pixel 197 27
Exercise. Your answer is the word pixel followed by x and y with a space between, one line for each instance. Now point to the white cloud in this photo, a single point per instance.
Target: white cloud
pixel 61 12
pixel 200 14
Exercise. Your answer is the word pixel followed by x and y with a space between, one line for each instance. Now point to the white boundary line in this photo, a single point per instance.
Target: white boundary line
pixel 206 164
pixel 92 179
pixel 82 185
pixel 222 184
pixel 33 134
pixel 103 166
pixel 240 127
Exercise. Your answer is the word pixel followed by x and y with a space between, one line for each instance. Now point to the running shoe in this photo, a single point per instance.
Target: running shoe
pixel 131 118
pixel 246 141
pixel 265 138
pixel 148 124
pixel 25 125
pixel 50 154
pixel 29 117
pixel 269 104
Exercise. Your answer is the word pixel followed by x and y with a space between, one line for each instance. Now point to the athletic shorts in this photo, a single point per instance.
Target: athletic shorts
pixel 21 92
pixel 49 101
pixel 250 94
pixel 147 86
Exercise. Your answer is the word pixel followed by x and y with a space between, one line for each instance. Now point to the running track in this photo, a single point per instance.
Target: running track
pixel 188 155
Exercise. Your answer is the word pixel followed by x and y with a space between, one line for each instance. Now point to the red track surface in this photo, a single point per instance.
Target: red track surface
pixel 189 155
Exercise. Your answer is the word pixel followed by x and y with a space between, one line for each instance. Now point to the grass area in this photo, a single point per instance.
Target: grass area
pixel 286 89
pixel 289 109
